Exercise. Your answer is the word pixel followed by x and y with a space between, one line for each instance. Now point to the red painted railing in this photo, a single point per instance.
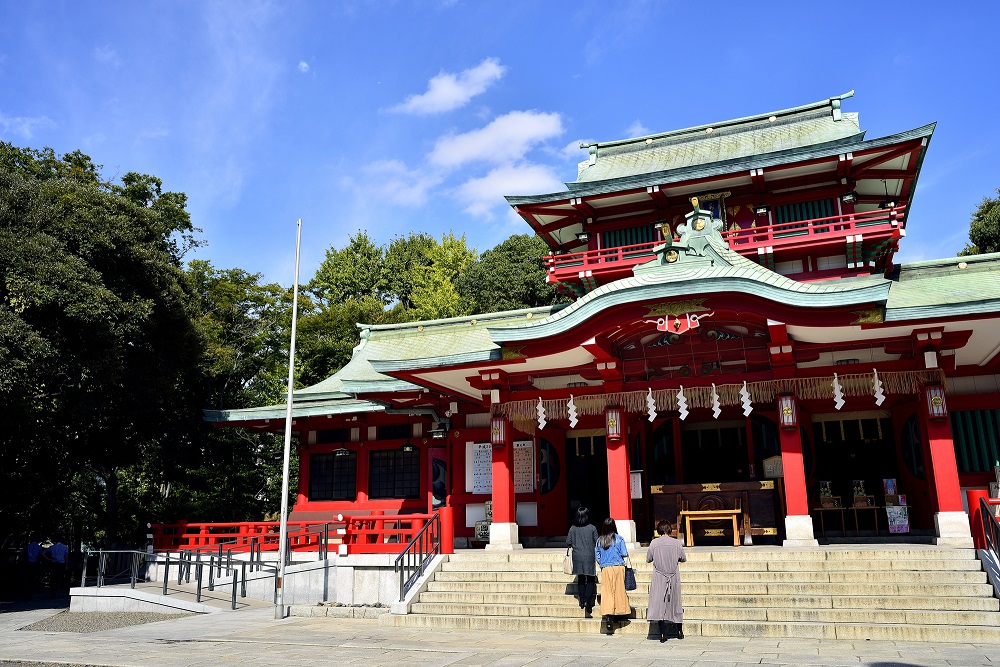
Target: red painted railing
pixel 810 232
pixel 370 534
pixel 743 241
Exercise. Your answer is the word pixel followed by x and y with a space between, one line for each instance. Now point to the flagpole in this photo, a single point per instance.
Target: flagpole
pixel 279 609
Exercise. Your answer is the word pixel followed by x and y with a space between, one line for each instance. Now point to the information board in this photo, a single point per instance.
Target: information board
pixel 482 467
pixel 524 466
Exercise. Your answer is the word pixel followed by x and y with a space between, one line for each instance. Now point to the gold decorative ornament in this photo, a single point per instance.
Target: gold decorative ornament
pixel 868 316
pixel 710 487
pixel 694 203
pixel 512 353
pixel 676 308
pixel 671 256
pixel 767 484
pixel 699 224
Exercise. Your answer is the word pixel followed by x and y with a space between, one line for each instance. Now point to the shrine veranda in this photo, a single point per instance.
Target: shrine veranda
pixel 740 338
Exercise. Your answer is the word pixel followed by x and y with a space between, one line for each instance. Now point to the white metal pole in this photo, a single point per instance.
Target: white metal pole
pixel 279 609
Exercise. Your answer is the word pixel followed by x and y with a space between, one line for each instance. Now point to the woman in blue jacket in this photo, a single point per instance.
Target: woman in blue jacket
pixel 610 553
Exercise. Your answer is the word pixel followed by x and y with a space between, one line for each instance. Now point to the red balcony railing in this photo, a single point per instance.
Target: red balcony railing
pixel 369 534
pixel 812 232
pixel 607 262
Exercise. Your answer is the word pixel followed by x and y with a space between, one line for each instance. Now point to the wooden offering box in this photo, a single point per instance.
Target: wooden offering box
pixel 757 500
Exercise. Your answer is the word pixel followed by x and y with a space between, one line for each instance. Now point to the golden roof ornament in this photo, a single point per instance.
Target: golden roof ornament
pixel 694 203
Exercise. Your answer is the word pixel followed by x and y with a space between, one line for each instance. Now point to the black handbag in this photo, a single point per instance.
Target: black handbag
pixel 630 584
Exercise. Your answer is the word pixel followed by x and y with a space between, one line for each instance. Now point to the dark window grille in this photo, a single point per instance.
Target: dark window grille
pixel 393 473
pixel 333 477
pixel 393 431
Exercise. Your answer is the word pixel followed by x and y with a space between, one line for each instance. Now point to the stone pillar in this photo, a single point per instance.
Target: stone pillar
pixel 503 529
pixel 951 523
pixel 619 490
pixel 798 523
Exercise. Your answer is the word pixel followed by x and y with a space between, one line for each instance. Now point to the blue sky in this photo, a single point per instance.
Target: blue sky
pixel 398 116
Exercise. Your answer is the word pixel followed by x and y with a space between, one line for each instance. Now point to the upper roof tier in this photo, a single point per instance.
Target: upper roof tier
pixel 807 125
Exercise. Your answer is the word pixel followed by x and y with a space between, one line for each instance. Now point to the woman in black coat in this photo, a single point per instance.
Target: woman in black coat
pixel 583 538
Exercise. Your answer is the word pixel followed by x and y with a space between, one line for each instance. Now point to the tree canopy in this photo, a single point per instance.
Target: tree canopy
pixel 984 228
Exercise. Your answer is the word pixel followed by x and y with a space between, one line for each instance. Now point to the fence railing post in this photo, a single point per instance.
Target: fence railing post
pixel 83 575
pixel 236 578
pixel 211 573
pixel 243 578
pixel 166 571
pixel 198 568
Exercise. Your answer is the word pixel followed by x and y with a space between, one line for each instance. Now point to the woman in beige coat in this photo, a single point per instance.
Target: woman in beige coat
pixel 665 553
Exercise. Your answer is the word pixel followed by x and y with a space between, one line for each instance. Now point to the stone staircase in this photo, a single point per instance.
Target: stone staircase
pixel 901 593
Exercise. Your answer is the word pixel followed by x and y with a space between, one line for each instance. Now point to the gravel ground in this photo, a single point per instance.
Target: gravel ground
pixel 96 621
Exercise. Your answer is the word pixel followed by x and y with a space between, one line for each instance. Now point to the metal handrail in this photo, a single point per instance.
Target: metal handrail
pixel 114 565
pixel 991 528
pixel 418 553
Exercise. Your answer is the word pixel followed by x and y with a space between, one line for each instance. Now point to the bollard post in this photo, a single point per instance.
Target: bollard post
pixel 243 577
pixel 211 573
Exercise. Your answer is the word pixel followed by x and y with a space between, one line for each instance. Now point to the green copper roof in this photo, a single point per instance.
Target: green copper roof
pixel 304 408
pixel 958 286
pixel 723 167
pixel 771 132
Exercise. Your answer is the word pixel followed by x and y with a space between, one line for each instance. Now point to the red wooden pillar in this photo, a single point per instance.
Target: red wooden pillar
pixel 503 529
pixel 503 483
pixel 620 498
pixel 947 493
pixel 798 523
pixel 619 494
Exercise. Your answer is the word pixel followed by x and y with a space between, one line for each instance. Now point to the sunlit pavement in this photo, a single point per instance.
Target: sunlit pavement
pixel 255 637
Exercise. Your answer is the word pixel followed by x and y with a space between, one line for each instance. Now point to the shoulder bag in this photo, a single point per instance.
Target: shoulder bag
pixel 630 584
pixel 568 561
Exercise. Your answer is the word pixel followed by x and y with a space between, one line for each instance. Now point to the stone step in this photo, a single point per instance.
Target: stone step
pixel 865 565
pixel 828 576
pixel 731 588
pixel 706 628
pixel 759 614
pixel 860 602
pixel 739 554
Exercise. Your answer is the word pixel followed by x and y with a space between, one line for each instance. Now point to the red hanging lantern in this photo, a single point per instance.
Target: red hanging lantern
pixel 788 414
pixel 613 423
pixel 498 431
pixel 937 408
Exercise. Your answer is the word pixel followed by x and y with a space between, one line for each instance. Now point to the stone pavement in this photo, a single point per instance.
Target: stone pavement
pixel 253 637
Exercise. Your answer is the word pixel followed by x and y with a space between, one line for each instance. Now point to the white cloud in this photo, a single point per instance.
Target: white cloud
pixel 107 56
pixel 393 181
pixel 636 129
pixel 448 91
pixel 22 126
pixel 303 67
pixel 482 195
pixel 573 151
pixel 506 139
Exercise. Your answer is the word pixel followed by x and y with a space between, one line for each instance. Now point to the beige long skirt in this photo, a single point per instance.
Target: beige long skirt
pixel 614 599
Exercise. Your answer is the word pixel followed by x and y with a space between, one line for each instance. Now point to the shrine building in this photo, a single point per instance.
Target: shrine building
pixel 741 341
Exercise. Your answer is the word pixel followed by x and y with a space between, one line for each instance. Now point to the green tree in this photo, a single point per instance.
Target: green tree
pixel 434 294
pixel 355 272
pixel 508 277
pixel 984 228
pixel 97 342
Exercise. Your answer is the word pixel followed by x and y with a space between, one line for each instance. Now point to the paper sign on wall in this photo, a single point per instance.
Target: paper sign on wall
pixel 482 467
pixel 524 466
